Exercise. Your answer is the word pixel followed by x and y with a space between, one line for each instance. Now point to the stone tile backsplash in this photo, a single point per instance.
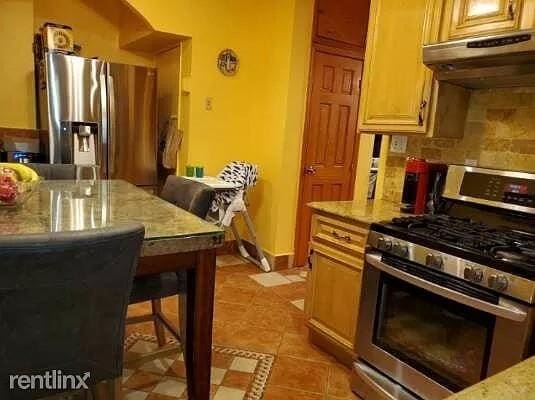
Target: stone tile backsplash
pixel 499 133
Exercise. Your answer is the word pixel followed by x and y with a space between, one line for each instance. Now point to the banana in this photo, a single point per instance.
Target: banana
pixel 24 173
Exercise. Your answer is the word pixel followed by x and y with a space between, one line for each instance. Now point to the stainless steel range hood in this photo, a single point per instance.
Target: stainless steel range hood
pixel 504 60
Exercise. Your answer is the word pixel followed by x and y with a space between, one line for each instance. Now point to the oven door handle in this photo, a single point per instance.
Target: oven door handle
pixel 505 309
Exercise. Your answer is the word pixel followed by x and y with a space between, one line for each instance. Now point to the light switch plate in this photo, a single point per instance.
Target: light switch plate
pixel 398 144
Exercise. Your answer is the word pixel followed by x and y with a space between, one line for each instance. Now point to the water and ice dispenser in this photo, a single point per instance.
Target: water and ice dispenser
pixel 79 143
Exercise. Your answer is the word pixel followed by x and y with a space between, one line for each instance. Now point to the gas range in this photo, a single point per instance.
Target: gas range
pixel 489 246
pixel 500 259
pixel 449 299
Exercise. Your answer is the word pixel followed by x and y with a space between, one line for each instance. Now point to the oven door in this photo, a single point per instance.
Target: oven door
pixel 433 334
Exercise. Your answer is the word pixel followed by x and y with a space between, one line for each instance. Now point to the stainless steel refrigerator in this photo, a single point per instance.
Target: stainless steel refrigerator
pixel 95 112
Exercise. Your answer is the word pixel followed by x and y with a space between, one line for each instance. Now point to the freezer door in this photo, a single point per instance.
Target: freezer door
pixel 74 86
pixel 132 124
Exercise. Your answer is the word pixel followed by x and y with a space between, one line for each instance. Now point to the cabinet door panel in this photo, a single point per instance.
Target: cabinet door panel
pixel 343 21
pixel 480 8
pixel 396 85
pixel 333 298
pixel 479 17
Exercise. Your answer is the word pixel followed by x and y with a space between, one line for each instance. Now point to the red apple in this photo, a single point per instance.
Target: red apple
pixel 8 189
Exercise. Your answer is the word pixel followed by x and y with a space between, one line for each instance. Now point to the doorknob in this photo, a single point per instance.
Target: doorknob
pixel 310 170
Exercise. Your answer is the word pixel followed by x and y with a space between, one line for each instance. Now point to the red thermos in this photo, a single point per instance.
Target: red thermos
pixel 415 186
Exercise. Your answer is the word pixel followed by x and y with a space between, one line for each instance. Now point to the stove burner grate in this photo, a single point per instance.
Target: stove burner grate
pixel 507 245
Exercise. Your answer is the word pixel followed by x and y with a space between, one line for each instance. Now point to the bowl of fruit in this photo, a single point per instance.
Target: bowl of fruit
pixel 17 182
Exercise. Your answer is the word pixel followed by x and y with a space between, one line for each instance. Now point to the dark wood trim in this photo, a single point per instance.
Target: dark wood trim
pixel 159 328
pixel 151 265
pixel 228 247
pixel 345 49
pixel 20 132
pixel 306 134
pixel 329 46
pixel 196 316
pixel 168 324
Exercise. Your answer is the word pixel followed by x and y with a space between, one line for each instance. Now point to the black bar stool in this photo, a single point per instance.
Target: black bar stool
pixel 63 301
pixel 196 198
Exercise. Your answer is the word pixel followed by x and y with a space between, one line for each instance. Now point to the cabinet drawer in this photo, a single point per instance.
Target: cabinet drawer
pixel 339 234
pixel 355 260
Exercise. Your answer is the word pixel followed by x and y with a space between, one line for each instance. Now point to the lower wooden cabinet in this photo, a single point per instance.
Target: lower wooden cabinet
pixel 333 294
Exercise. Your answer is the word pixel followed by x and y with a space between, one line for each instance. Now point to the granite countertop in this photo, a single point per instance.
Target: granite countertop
pixel 367 213
pixel 60 206
pixel 515 383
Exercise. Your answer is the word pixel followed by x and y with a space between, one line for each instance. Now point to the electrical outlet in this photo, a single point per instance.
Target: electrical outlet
pixel 208 103
pixel 398 144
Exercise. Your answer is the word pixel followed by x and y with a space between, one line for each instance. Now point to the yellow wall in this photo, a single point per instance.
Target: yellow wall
pixel 16 64
pixel 258 114
pixel 167 64
pixel 95 24
pixel 293 85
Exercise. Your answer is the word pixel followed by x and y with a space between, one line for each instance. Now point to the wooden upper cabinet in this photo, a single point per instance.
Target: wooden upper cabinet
pixel 342 23
pixel 397 86
pixel 465 18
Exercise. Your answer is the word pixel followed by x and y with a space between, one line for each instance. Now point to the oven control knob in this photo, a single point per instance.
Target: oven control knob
pixel 473 274
pixel 434 261
pixel 400 249
pixel 468 273
pixel 384 243
pixel 498 282
pixel 477 275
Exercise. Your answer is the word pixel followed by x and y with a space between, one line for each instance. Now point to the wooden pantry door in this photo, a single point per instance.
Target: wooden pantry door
pixel 330 138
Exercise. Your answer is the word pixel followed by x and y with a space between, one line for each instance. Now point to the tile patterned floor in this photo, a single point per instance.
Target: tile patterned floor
pixel 253 313
pixel 236 374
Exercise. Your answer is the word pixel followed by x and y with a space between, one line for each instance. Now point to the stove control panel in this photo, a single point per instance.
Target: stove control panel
pixel 505 189
pixel 481 275
pixel 509 190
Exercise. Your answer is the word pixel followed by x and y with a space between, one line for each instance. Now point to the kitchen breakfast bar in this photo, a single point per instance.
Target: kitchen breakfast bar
pixel 175 240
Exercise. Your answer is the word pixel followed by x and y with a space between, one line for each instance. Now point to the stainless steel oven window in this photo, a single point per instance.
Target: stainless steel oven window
pixel 511 337
pixel 447 341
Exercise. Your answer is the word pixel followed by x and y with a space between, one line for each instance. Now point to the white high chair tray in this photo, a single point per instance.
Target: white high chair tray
pixel 215 183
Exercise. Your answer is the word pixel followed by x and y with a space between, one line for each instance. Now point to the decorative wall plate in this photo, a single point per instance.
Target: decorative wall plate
pixel 227 62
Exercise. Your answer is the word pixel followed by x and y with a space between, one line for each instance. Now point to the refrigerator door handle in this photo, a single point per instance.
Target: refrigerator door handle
pixel 112 127
pixel 104 123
